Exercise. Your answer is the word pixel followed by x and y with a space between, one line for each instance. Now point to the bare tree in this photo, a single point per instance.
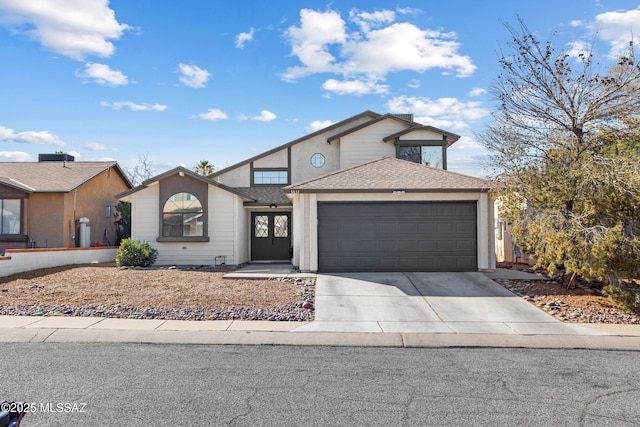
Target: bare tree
pixel 560 129
pixel 142 170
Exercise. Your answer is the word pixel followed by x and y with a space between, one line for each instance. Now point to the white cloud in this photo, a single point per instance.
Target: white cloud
pixel 366 20
pixel 316 125
pixel 30 137
pixel 265 116
pixel 133 106
pixel 618 28
pixel 310 42
pixel 103 75
pixel 377 45
pixel 193 76
pixel 414 84
pixel 73 28
pixel 15 156
pixel 578 49
pixel 477 91
pixel 467 143
pixel 575 23
pixel 94 146
pixel 243 38
pixel 354 87
pixel 213 114
pixel 75 154
pixel 445 113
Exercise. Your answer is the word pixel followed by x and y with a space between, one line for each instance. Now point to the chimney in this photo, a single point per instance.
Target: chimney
pixel 407 117
pixel 60 157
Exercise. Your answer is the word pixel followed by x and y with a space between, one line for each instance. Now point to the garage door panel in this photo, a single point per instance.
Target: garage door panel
pixel 411 236
pixel 408 245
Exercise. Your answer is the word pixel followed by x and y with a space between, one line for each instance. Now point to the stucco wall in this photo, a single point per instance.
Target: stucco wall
pixel 20 260
pixel 238 177
pixel 222 220
pixel 47 221
pixel 51 217
pixel 91 201
pixel 366 144
pixel 423 135
pixel 302 169
pixel 279 159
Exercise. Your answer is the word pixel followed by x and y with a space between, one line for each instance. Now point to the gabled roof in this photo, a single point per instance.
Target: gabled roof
pixel 53 177
pixel 182 171
pixel 10 182
pixel 367 124
pixel 301 139
pixel 390 174
pixel 265 195
pixel 450 137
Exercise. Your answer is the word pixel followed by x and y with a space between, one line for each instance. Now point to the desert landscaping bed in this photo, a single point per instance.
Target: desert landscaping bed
pixel 584 303
pixel 172 293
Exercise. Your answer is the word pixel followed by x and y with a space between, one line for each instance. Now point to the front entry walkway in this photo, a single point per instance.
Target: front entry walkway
pixel 267 271
pixel 450 303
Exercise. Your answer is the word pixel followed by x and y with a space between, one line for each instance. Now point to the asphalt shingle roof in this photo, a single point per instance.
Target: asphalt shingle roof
pixel 266 195
pixel 50 177
pixel 391 174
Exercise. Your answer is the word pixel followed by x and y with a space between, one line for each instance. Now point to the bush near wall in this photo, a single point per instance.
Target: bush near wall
pixel 136 253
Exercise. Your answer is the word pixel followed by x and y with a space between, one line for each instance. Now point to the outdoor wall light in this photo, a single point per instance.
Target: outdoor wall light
pixel 108 211
pixel 273 206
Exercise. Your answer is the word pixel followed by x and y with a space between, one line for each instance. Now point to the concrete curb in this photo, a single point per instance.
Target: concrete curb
pixel 339 339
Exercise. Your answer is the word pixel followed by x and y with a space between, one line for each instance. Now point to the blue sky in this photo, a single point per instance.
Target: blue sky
pixel 184 81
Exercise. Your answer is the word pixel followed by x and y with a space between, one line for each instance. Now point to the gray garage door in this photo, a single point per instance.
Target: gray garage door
pixel 421 236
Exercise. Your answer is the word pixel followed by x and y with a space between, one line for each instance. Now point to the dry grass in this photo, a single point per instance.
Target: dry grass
pixel 158 287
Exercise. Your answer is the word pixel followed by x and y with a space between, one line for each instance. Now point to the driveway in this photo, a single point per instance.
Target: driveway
pixel 450 303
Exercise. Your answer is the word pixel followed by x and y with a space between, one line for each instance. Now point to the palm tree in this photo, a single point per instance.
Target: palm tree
pixel 204 168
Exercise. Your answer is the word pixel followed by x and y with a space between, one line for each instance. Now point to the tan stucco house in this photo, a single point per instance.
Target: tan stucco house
pixel 42 203
pixel 369 193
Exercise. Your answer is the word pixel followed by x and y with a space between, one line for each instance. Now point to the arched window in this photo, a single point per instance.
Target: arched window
pixel 182 216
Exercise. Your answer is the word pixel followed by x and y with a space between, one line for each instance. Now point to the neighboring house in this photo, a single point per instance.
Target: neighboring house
pixel 355 196
pixel 507 250
pixel 42 203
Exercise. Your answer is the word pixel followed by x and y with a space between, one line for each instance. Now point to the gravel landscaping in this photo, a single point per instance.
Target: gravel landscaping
pixel 201 293
pixel 583 304
pixel 171 293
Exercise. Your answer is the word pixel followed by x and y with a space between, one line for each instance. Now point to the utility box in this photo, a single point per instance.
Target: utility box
pixel 85 232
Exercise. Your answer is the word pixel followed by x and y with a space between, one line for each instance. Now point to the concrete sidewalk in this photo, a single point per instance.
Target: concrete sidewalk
pixel 32 329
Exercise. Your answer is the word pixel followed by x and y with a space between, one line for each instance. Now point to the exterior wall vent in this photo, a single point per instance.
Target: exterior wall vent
pixel 64 157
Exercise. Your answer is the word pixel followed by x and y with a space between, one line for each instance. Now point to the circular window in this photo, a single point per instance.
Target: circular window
pixel 317 160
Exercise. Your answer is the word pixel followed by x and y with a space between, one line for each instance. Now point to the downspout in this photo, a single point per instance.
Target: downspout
pixel 73 222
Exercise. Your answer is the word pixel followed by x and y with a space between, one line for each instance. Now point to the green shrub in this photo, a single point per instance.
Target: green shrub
pixel 626 295
pixel 138 253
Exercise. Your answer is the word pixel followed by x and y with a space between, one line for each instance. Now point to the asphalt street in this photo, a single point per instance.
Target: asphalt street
pixel 99 384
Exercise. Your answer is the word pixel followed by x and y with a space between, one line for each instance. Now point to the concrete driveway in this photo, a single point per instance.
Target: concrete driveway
pixel 450 303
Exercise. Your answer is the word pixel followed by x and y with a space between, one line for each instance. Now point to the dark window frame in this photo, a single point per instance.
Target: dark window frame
pixel 183 184
pixel 20 215
pixel 258 170
pixel 423 143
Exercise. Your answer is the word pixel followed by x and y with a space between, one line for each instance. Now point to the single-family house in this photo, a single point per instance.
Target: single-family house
pixel 44 204
pixel 369 193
